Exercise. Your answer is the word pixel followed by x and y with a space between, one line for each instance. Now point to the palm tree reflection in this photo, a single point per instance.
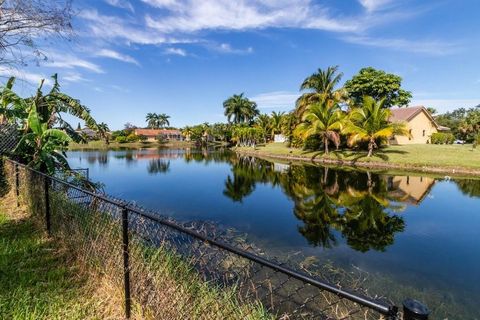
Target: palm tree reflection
pixel 359 205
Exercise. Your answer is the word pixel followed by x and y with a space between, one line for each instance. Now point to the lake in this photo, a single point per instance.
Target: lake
pixel 408 235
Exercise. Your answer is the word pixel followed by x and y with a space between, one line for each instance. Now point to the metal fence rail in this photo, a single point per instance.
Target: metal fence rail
pixel 170 270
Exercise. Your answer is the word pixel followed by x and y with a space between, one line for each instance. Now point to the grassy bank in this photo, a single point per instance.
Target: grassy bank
pixel 101 145
pixel 38 279
pixel 448 159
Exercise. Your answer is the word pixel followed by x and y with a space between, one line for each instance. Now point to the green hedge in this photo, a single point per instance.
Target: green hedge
pixel 442 138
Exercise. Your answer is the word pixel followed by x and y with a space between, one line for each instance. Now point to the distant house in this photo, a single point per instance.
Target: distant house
pixel 87 132
pixel 279 138
pixel 420 124
pixel 166 134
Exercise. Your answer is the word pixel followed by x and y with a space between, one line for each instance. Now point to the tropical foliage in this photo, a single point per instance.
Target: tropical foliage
pixel 44 132
pixel 239 109
pixel 321 85
pixel 157 121
pixel 322 119
pixel 370 123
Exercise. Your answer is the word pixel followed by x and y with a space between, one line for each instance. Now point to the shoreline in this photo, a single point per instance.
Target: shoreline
pixel 455 171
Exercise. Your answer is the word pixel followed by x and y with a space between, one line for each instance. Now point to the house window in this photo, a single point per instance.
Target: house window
pixel 423 133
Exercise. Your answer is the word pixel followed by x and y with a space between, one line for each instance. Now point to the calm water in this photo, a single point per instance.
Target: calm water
pixel 416 236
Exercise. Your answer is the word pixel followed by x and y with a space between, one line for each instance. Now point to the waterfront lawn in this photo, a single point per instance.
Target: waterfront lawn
pixel 415 155
pixel 37 280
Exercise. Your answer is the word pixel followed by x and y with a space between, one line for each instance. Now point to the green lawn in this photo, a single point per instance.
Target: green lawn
pixel 407 156
pixel 37 281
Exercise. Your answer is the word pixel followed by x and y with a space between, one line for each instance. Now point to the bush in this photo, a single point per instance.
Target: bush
pixel 142 138
pixel 121 139
pixel 442 138
pixel 132 137
pixel 313 142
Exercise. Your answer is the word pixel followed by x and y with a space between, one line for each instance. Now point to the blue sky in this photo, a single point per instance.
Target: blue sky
pixel 185 57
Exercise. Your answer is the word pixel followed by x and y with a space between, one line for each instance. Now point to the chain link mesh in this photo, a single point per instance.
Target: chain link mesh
pixel 175 274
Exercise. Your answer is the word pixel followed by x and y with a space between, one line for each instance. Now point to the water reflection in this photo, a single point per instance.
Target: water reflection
pixel 362 207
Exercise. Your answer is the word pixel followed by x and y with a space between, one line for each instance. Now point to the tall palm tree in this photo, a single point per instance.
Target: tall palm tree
pixel 321 86
pixel 103 131
pixel 163 120
pixel 263 122
pixel 324 120
pixel 276 123
pixel 371 124
pixel 240 108
pixel 152 120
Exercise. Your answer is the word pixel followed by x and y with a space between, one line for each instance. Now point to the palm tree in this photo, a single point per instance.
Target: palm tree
pixel 152 120
pixel 263 122
pixel 276 123
pixel 163 120
pixel 240 108
pixel 371 124
pixel 103 131
pixel 324 120
pixel 187 132
pixel 321 86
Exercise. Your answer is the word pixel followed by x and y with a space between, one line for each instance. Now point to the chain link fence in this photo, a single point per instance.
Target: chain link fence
pixel 8 138
pixel 170 270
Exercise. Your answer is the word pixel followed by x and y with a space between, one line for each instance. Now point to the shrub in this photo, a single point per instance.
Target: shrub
pixel 132 137
pixel 442 138
pixel 142 138
pixel 121 139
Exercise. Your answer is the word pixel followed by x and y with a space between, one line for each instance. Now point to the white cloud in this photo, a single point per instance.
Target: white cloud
pixel 444 105
pixel 176 51
pixel 373 5
pixel 66 61
pixel 284 100
pixel 189 16
pixel 227 48
pixel 107 53
pixel 74 77
pixel 122 4
pixel 30 77
pixel 431 47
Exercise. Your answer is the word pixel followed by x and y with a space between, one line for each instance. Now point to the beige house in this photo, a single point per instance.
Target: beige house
pixel 420 124
pixel 166 134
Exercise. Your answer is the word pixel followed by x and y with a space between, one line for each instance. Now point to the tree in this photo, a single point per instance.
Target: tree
pixel 321 86
pixel 103 131
pixel 163 120
pixel 263 122
pixel 152 120
pixel 323 120
pixel 371 124
pixel 240 108
pixel 187 132
pixel 276 120
pixel 432 110
pixel 25 22
pixel 379 85
pixel 41 147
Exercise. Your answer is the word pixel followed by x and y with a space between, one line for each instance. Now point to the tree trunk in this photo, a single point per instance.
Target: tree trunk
pixel 325 142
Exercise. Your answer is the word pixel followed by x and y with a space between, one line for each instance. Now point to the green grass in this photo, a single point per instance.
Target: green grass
pixel 420 156
pixel 101 145
pixel 36 278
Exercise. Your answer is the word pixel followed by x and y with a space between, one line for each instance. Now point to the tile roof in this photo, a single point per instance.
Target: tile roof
pixel 155 132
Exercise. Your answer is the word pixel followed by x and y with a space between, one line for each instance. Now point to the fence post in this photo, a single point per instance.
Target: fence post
pixel 47 205
pixel 126 266
pixel 17 184
pixel 414 310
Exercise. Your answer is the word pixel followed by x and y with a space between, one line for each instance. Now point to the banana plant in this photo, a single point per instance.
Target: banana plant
pixel 12 107
pixel 41 147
